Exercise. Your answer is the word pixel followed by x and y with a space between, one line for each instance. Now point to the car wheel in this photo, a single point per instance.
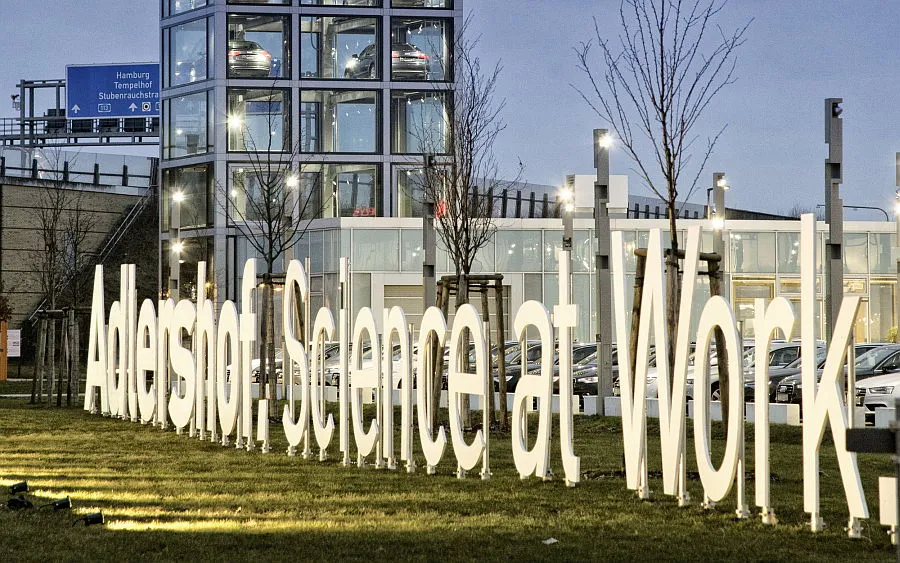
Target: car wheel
pixel 714 394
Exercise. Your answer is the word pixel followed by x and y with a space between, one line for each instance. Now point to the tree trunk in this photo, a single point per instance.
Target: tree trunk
pixel 37 381
pixel 487 323
pixel 64 357
pixel 76 363
pixel 272 391
pixel 501 356
pixel 462 298
pixel 715 288
pixel 443 300
pixel 51 361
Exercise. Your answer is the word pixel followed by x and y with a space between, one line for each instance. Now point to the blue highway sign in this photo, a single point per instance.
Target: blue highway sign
pixel 115 90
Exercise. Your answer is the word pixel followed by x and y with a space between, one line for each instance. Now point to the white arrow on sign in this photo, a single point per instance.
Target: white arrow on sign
pixel 132 107
pixel 75 108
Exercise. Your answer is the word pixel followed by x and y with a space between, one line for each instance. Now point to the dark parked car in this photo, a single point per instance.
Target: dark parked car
pixel 877 361
pixel 249 59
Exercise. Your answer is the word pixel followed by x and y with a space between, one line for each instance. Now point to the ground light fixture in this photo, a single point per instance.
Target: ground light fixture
pixel 60 504
pixel 91 519
pixel 20 487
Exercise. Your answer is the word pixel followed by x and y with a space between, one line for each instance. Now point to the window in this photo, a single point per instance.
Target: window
pixel 411 193
pixel 187 60
pixel 881 309
pixel 855 253
pixel 259 46
pixel 188 118
pixel 880 259
pixel 193 184
pixel 376 250
pixel 258 120
pixel 752 252
pixel 788 250
pixel 254 184
pixel 420 49
pixel 359 3
pixel 179 6
pixel 339 47
pixel 421 3
pixel 419 122
pixel 518 251
pixel 339 121
pixel 345 190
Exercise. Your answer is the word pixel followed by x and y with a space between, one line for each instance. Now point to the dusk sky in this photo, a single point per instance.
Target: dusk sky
pixel 796 54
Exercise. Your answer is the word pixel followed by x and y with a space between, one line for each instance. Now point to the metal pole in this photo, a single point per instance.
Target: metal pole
pixel 719 186
pixel 896 322
pixel 174 238
pixel 429 251
pixel 601 265
pixel 834 213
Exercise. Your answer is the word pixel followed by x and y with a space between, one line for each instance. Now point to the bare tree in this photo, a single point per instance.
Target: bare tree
pixel 48 218
pixel 465 171
pixel 653 88
pixel 271 206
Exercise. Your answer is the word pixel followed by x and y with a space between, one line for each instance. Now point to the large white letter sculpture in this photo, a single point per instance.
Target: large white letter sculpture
pixel 825 403
pixel 778 315
pixel 634 385
pixel 537 460
pixel 432 335
pixel 296 292
pixel 96 362
pixel 364 379
pixel 462 383
pixel 395 324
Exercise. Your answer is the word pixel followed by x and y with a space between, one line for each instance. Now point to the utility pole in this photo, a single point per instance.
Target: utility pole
pixel 602 142
pixel 429 251
pixel 834 213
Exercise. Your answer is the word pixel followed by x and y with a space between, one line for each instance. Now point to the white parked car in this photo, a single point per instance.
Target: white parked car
pixel 877 392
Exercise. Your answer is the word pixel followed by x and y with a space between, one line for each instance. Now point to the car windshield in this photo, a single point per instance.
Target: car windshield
pixel 873 357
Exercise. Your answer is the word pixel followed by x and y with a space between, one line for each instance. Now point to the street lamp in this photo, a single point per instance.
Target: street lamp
pixel 567 206
pixel 602 143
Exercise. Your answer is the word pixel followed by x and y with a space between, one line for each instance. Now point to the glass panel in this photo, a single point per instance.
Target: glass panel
pixel 533 289
pixel 376 250
pixel 752 252
pixel 788 249
pixel 371 3
pixel 420 49
pixel 259 46
pixel 179 6
pixel 316 251
pixel 629 240
pixel 411 255
pixel 855 286
pixel 187 60
pixel 789 286
pixel 253 191
pixel 332 249
pixel 855 253
pixel 344 190
pixel 360 293
pixel 881 310
pixel 188 124
pixel 582 252
pixel 410 193
pixel 339 47
pixel 419 122
pixel 189 189
pixel 551 290
pixel 277 2
pixel 258 120
pixel 552 246
pixel 518 251
pixel 880 247
pixel 339 121
pixel 581 294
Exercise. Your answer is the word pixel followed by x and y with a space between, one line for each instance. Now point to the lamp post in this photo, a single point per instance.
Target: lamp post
pixel 175 242
pixel 429 251
pixel 834 213
pixel 602 143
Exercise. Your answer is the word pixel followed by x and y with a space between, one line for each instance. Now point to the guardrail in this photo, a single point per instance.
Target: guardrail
pixel 46 130
pixel 95 176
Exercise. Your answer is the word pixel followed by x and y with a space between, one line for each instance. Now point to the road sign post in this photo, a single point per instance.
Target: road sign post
pixel 112 91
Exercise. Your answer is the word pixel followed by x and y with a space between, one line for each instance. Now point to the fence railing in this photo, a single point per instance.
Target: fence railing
pixel 96 175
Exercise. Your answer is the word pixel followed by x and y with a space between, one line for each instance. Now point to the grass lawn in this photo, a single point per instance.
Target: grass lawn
pixel 168 497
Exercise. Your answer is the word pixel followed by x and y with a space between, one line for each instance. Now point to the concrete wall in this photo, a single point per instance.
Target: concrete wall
pixel 21 241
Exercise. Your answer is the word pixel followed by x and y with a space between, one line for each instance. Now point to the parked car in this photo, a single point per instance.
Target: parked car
pixel 877 361
pixel 880 391
pixel 409 61
pixel 248 59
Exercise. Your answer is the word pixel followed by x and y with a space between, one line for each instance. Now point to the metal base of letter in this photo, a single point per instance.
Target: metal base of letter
pixel 816 524
pixel 430 470
pixel 684 499
pixel 250 445
pixel 360 461
pixel 411 466
pixel 265 447
pixel 893 534
pixel 768 516
pixel 323 455
pixel 742 513
pixel 643 493
pixel 708 504
pixel 291 451
pixel 460 473
pixel 854 528
pixel 178 431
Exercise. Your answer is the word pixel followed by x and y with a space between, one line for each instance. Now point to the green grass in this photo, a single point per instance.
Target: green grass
pixel 168 497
